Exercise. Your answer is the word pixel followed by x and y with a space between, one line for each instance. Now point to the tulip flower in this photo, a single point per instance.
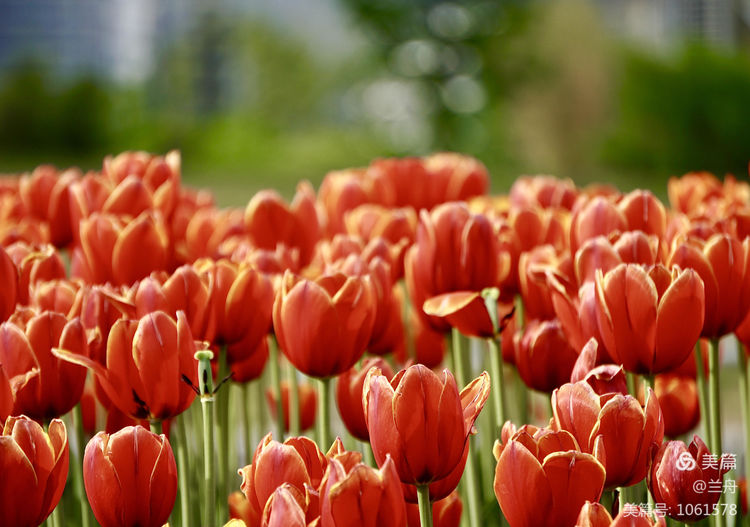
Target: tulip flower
pixel 649 321
pixel 307 404
pixel 543 356
pixel 543 191
pixel 454 251
pixel 723 263
pixel 605 378
pixel 44 194
pixel 686 479
pixel 613 427
pixel 362 495
pixel 644 212
pixel 35 264
pixel 349 386
pixel 9 283
pixel 596 515
pixel 542 478
pixel 593 515
pixel 596 217
pixel 270 221
pixel 373 221
pixel 324 325
pixel 690 192
pixel 466 311
pixel 297 463
pixel 429 344
pixel 408 416
pixel 678 400
pixel 34 465
pixel 534 290
pixel 283 509
pixel 445 512
pixel 341 191
pixel 130 478
pixel 43 386
pixel 146 363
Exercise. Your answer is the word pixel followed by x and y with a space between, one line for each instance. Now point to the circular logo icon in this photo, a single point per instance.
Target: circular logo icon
pixel 686 462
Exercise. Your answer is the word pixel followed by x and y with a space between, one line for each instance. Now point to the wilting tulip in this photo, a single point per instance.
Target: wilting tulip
pixel 34 465
pixel 270 221
pixel 362 495
pixel 678 400
pixel 408 417
pixel 297 462
pixel 649 321
pixel 307 404
pixel 146 363
pixel 130 478
pixel 118 251
pixel 445 512
pixel 543 356
pixel 455 250
pixel 349 386
pixel 43 386
pixel 614 427
pixel 324 325
pixel 723 263
pixel 686 479
pixel 555 480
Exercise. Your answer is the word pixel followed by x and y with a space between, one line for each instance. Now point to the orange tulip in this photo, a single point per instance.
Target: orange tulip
pixel 270 221
pixel 35 263
pixel 371 221
pixel 307 398
pixel 596 217
pixel 44 194
pixel 543 356
pixel 605 378
pixel 408 416
pixel 614 427
pixel 349 386
pixel 532 285
pixel 34 465
pixel 118 251
pixel 593 515
pixel 674 472
pixel 454 251
pixel 689 193
pixel 362 495
pixel 429 345
pixel 644 212
pixel 323 326
pixel 7 399
pixel 296 463
pixel 283 509
pixel 130 478
pixel 542 478
pixel 543 191
pixel 723 263
pixel 678 400
pixel 340 192
pixel 8 285
pixel 649 321
pixel 596 515
pixel 146 363
pixel 466 311
pixel 43 386
pixel 445 512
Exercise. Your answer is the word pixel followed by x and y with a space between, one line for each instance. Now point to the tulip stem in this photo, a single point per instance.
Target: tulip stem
pixel 207 405
pixel 183 471
pixel 294 419
pixel 700 381
pixel 745 400
pixel 324 424
pixel 247 414
pixel 369 456
pixel 425 507
pixel 156 426
pixel 714 416
pixel 78 471
pixel 498 391
pixel 275 369
pixel 471 480
pixel 222 399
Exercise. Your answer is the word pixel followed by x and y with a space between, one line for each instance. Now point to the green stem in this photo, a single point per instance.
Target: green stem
pixel 274 368
pixel 78 469
pixel 648 382
pixel 608 501
pixel 498 388
pixel 522 399
pixel 714 416
pixel 221 405
pixel 473 495
pixel 54 519
pixel 207 405
pixel 247 414
pixel 294 418
pixel 368 455
pixel 700 381
pixel 259 399
pixel 156 426
pixel 324 403
pixel 425 507
pixel 630 381
pixel 183 470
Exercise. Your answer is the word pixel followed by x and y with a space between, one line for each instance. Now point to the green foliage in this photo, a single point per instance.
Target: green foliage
pixel 685 113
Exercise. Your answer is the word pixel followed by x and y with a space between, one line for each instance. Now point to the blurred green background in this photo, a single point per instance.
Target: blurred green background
pixel 259 94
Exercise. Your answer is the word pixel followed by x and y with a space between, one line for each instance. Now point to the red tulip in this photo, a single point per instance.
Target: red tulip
pixel 8 285
pixel 674 472
pixel 349 386
pixel 543 356
pixel 644 212
pixel 429 345
pixel 593 515
pixel 146 363
pixel 340 192
pixel 634 516
pixel 7 399
pixel 44 194
pixel 43 386
pixel 270 221
pixel 723 263
pixel 130 478
pixel 678 400
pixel 372 221
pixel 605 378
pixel 533 287
pixel 688 193
pixel 324 325
pixel 408 418
pixel 34 465
pixel 596 217
pixel 614 427
pixel 649 321
pixel 362 495
pixel 283 509
pixel 35 264
pixel 308 401
pixel 542 480
pixel 543 191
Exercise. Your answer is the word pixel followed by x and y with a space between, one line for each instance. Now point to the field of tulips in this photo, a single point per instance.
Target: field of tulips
pixel 398 349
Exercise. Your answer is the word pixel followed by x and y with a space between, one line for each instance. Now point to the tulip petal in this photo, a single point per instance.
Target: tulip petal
pixel 521 487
